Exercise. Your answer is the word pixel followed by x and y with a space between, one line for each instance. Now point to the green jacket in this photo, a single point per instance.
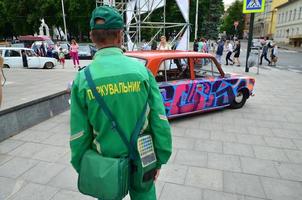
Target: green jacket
pixel 123 82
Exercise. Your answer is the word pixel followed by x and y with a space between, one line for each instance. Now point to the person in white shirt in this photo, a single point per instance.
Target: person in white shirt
pixel 163 45
pixel 230 51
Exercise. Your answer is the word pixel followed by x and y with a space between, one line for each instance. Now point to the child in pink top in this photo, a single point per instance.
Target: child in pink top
pixel 74 53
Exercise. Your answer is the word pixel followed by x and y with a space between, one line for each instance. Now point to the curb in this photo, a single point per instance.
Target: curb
pixel 19 118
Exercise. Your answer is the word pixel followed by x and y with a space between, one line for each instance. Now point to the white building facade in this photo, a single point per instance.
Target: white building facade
pixel 289 23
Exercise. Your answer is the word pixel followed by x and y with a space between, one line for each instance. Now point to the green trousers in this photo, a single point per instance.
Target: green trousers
pixel 150 195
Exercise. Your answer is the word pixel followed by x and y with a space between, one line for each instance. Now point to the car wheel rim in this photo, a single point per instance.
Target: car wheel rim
pixel 239 97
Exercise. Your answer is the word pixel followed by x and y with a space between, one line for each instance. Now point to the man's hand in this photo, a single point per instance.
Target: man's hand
pixel 157 174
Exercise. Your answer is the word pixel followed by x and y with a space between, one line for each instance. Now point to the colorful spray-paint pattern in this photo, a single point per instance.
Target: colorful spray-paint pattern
pixel 186 96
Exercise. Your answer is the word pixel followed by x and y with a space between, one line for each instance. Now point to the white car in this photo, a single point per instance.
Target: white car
pixel 13 58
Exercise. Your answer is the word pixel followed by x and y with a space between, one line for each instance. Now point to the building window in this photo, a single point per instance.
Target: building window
pixel 293 31
pixel 282 20
pixel 297 31
pixel 279 16
pixel 285 20
pixel 290 16
pixel 300 13
pixel 294 17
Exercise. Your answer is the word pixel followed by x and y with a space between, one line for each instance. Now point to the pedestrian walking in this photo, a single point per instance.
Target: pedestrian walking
pixel 229 53
pixel 74 53
pixel 117 118
pixel 200 45
pixel 274 55
pixel 219 51
pixel 163 45
pixel 237 52
pixel 42 50
pixel 61 57
pixel 24 58
pixel 195 45
pixel 264 53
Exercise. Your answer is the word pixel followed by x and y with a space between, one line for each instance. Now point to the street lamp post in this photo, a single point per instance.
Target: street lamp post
pixel 64 21
pixel 196 20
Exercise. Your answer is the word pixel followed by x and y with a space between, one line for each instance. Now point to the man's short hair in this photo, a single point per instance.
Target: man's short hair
pixel 102 36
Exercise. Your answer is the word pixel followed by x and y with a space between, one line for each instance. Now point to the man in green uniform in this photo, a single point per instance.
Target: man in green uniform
pixel 125 85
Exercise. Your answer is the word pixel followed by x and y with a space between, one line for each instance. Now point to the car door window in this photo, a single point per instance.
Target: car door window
pixel 204 67
pixel 30 53
pixel 173 69
pixel 13 53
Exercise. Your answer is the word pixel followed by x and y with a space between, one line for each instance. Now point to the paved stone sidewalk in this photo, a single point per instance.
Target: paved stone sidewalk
pixel 252 153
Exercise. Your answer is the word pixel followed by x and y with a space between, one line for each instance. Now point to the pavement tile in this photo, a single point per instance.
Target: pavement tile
pixel 173 173
pixel 71 195
pixel 179 192
pixel 205 178
pixel 268 124
pixel 298 143
pixel 16 167
pixel 224 162
pixel 250 139
pixel 294 156
pixel 65 159
pixel 63 128
pixel 290 171
pixel 285 133
pixel 197 133
pixel 43 172
pixel 237 128
pixel 27 149
pixel 9 187
pixel 66 179
pixel 59 139
pixel 259 167
pixel 292 126
pixel 50 153
pixel 159 186
pixel 270 153
pixel 277 189
pixel 250 198
pixel 191 158
pixel 9 145
pixel 189 122
pixel 238 149
pixel 34 135
pixel 215 195
pixel 177 131
pixel 223 136
pixel 280 142
pixel 255 130
pixel 4 158
pixel 35 192
pixel 208 146
pixel 44 126
pixel 243 184
pixel 183 143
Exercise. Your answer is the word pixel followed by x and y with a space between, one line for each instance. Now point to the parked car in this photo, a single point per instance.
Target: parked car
pixel 13 59
pixel 86 51
pixel 192 82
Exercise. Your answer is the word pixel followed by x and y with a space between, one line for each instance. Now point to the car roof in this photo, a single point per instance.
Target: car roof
pixel 157 54
pixel 15 48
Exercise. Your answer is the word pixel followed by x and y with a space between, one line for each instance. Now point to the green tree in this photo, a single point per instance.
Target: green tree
pixel 234 13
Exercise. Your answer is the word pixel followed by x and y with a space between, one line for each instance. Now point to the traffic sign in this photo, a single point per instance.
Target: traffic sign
pixel 253 6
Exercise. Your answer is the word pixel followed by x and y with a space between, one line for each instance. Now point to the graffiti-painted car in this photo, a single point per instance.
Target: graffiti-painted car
pixel 193 82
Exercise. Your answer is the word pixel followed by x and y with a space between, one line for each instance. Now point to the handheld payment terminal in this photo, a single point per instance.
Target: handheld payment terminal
pixel 146 150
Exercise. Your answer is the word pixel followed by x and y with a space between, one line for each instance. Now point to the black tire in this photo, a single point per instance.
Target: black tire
pixel 5 66
pixel 239 100
pixel 48 65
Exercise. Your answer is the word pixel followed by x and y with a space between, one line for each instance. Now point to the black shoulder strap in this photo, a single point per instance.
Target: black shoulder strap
pixel 111 117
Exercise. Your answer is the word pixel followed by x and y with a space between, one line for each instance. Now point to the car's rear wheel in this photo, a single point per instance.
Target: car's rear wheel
pixel 48 65
pixel 5 66
pixel 239 99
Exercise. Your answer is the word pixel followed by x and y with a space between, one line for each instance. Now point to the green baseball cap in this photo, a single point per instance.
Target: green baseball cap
pixel 112 18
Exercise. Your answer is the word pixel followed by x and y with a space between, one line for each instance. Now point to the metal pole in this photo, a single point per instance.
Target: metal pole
pixel 249 44
pixel 165 17
pixel 196 20
pixel 64 21
pixel 188 25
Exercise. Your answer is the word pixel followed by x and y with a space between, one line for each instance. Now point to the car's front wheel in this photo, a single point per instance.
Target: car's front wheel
pixel 48 65
pixel 239 99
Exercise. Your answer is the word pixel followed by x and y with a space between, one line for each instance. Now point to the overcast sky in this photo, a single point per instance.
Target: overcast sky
pixel 228 2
